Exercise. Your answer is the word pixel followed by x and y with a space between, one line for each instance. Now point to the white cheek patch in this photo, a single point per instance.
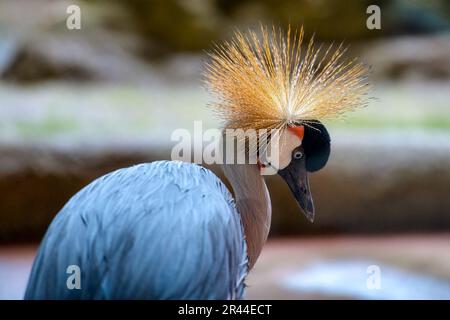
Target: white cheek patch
pixel 279 155
pixel 291 142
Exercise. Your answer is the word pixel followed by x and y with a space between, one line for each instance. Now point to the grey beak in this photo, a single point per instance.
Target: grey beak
pixel 296 177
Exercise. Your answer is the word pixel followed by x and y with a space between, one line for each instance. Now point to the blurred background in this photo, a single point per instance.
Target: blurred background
pixel 76 104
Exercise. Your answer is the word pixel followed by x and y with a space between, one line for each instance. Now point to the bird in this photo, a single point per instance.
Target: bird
pixel 173 230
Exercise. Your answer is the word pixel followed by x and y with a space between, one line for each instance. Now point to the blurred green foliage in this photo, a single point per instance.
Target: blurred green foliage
pixel 176 25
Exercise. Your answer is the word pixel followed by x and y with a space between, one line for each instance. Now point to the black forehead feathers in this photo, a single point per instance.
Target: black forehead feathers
pixel 316 144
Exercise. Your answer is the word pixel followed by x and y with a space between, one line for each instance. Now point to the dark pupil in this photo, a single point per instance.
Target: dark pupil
pixel 297 155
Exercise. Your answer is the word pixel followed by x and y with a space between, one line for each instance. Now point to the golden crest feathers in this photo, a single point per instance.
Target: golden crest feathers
pixel 270 81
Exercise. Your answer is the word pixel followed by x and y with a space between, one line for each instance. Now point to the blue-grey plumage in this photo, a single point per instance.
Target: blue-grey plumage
pixel 164 230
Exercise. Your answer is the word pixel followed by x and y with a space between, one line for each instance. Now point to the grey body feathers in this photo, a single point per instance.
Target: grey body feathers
pixel 164 230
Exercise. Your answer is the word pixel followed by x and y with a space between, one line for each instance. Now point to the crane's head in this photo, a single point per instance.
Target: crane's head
pixel 307 151
pixel 267 81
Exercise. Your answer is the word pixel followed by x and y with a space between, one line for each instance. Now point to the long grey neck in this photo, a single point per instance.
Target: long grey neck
pixel 253 203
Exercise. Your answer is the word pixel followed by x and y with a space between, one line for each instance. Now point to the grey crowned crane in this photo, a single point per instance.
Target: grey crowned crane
pixel 172 230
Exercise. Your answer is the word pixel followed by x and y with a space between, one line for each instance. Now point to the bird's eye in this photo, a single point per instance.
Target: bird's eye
pixel 298 155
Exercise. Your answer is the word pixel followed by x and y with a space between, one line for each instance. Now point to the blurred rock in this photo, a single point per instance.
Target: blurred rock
pixel 36 182
pixel 74 58
pixel 410 57
pixel 40 47
pixel 30 65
